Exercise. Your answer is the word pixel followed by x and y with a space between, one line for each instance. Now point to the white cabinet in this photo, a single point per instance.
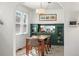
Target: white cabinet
pixel 21 28
pixel 21 41
pixel 21 22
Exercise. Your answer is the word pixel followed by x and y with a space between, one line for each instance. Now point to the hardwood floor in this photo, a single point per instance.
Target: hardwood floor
pixel 54 51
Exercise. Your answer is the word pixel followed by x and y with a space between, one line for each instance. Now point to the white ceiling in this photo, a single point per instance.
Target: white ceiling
pixel 53 5
pixel 46 5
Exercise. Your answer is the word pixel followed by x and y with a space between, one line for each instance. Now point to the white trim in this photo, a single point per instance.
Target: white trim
pixel 21 33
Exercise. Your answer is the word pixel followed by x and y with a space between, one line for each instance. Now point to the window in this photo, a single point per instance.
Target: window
pixel 21 22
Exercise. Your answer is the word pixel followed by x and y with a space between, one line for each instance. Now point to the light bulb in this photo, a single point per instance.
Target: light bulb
pixel 40 11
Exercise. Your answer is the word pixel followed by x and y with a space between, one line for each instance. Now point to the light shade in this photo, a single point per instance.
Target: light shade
pixel 40 11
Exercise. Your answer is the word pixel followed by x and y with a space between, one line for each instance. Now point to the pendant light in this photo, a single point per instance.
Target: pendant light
pixel 40 10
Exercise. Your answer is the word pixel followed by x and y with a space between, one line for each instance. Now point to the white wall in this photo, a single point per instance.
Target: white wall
pixel 71 42
pixel 60 17
pixel 8 38
pixel 21 39
pixel 7 31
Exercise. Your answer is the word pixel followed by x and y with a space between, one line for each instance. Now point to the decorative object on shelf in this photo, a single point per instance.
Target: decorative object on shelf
pixel 73 22
pixel 42 28
pixel 48 17
pixel 58 41
pixel 59 37
pixel 60 33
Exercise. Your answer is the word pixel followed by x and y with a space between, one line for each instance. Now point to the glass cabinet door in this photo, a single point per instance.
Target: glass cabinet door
pixel 18 21
pixel 25 23
pixel 24 28
pixel 18 16
pixel 21 22
pixel 17 28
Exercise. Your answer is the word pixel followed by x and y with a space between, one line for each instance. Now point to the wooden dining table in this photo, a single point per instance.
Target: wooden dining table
pixel 41 43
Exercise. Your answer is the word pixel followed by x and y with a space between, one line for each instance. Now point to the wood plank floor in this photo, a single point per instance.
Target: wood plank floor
pixel 54 51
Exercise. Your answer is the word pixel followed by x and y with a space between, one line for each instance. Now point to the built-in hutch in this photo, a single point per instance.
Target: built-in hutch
pixel 56 32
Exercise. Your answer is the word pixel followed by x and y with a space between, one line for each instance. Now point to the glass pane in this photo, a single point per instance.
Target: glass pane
pixel 18 13
pixel 18 16
pixel 24 18
pixel 17 19
pixel 17 28
pixel 24 28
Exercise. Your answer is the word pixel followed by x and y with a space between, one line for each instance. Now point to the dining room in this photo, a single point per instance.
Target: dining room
pixel 40 33
pixel 39 28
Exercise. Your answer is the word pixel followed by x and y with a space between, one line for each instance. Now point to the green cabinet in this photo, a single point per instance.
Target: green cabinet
pixel 56 33
pixel 57 38
pixel 34 29
pixel 60 34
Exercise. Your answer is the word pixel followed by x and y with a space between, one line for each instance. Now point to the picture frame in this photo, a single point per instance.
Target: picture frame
pixel 48 17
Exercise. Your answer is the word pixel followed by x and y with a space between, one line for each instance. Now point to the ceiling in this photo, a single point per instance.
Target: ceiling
pixel 53 5
pixel 46 5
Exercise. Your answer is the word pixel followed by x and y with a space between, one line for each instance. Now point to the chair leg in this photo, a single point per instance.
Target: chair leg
pixel 46 49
